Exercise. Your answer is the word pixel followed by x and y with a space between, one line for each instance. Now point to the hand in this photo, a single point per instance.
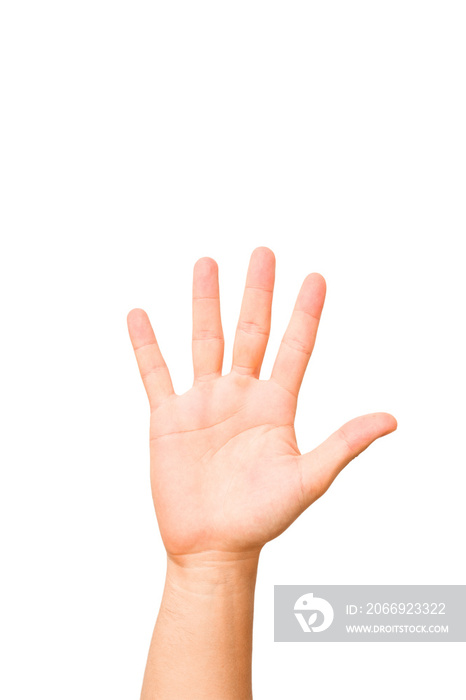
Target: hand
pixel 226 472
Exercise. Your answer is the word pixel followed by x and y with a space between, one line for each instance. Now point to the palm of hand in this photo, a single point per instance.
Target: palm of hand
pixel 226 471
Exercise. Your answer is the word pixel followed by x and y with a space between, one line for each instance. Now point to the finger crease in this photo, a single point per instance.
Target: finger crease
pixel 252 329
pixel 153 370
pixel 259 289
pixel 298 346
pixel 208 337
pixel 146 345
pixel 308 313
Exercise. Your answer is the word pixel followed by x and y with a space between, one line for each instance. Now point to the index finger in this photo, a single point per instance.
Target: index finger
pixel 299 338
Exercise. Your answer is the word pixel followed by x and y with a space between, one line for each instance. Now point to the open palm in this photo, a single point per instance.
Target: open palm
pixel 226 471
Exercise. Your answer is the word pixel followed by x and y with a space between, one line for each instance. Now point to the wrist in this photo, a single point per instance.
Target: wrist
pixel 206 615
pixel 213 571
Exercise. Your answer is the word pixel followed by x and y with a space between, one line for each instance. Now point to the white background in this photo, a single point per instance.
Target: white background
pixel 139 136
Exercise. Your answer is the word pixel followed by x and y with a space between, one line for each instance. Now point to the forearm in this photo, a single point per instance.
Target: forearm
pixel 201 648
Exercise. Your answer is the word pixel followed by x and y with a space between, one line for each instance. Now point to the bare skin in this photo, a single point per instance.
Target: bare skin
pixel 227 475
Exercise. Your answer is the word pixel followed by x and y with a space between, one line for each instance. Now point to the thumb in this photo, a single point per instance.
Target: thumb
pixel 320 466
